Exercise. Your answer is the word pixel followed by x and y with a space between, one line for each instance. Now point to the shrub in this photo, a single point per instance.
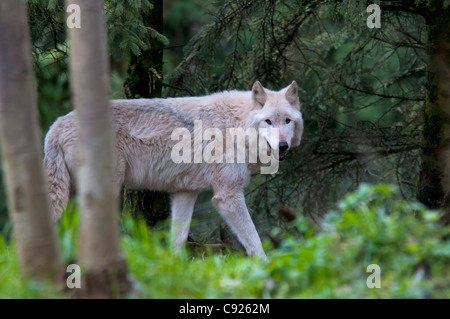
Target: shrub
pixel 370 226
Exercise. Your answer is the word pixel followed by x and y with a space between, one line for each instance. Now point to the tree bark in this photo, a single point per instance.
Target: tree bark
pixel 145 77
pixel 145 71
pixel 104 267
pixel 22 148
pixel 434 182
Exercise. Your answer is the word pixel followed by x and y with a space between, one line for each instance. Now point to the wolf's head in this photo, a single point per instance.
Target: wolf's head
pixel 278 110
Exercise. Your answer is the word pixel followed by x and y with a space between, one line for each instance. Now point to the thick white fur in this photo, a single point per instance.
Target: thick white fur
pixel 143 130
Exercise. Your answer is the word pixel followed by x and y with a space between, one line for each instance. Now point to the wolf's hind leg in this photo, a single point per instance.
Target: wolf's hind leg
pixel 233 209
pixel 182 208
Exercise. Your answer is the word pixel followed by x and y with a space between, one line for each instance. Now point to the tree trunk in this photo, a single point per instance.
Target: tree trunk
pixel 145 77
pixel 22 148
pixel 434 183
pixel 104 267
pixel 145 71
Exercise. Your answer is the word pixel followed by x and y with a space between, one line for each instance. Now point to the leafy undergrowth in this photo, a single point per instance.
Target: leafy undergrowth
pixel 12 284
pixel 406 241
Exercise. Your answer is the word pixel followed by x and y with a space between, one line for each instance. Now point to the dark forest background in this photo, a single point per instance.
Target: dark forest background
pixel 367 187
pixel 371 99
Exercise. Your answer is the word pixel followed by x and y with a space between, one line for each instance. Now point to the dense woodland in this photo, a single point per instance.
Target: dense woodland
pixel 368 185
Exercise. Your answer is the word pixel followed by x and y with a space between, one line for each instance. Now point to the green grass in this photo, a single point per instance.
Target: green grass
pixel 13 285
pixel 369 226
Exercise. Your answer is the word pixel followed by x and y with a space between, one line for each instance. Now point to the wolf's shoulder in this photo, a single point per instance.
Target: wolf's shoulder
pixel 232 97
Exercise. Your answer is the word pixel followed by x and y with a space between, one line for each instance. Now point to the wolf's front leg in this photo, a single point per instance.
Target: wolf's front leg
pixel 182 208
pixel 233 209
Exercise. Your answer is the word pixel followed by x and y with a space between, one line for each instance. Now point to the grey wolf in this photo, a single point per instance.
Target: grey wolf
pixel 143 139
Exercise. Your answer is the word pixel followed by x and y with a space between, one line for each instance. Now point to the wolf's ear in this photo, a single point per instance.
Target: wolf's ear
pixel 259 94
pixel 292 94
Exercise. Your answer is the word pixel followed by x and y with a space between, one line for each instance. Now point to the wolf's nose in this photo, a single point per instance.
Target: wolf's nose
pixel 283 147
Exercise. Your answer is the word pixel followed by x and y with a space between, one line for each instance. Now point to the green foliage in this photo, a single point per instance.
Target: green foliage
pixel 128 34
pixel 370 226
pixel 362 93
pixel 181 22
pixel 361 90
pixel 128 31
pixel 52 87
pixel 68 232
pixel 13 284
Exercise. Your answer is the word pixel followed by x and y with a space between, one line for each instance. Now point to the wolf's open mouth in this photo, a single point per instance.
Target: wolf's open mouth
pixel 281 155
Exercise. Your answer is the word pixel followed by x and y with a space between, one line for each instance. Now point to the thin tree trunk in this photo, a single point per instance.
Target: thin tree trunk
pixel 104 267
pixel 22 147
pixel 145 71
pixel 434 184
pixel 145 77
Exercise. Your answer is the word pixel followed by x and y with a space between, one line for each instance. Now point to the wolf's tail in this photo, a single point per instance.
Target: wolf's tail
pixel 58 176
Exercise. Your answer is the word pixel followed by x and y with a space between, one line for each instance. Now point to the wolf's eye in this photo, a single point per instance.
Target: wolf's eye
pixel 288 121
pixel 269 122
